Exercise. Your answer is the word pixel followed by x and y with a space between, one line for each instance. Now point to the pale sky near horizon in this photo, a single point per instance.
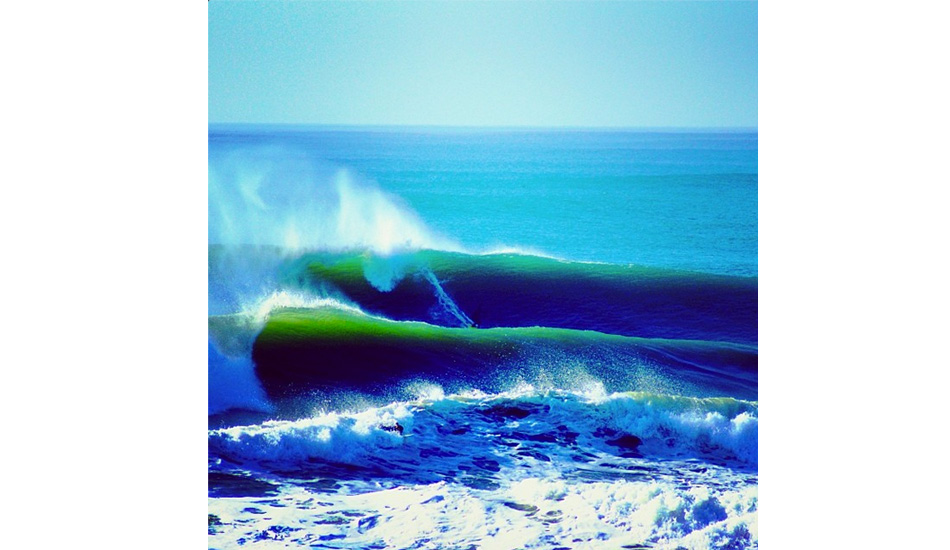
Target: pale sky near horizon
pixel 538 63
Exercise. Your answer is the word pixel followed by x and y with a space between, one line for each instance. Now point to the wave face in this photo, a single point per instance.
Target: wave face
pixel 364 322
pixel 374 383
pixel 300 351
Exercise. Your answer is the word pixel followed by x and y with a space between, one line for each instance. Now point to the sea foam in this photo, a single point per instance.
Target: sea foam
pixel 673 427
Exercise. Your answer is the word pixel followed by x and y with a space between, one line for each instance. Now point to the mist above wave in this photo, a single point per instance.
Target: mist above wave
pixel 288 201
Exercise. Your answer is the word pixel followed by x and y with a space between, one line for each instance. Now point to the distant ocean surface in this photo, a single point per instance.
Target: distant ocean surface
pixel 478 338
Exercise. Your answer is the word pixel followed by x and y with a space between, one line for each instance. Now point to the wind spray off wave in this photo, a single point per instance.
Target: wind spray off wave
pixel 274 197
pixel 266 207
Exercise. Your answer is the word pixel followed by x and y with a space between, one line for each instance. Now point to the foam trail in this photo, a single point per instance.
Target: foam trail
pixel 445 301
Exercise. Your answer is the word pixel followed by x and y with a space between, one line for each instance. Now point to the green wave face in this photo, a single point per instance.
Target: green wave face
pixel 300 350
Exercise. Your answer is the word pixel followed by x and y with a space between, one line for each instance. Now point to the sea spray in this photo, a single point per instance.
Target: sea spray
pixel 384 272
pixel 368 218
pixel 268 206
pixel 281 197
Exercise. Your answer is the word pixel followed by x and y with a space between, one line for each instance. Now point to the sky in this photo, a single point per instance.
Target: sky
pixel 505 63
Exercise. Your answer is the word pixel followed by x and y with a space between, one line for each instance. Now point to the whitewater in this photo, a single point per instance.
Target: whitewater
pixel 381 376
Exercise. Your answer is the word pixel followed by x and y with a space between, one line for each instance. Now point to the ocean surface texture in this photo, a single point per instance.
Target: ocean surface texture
pixel 493 339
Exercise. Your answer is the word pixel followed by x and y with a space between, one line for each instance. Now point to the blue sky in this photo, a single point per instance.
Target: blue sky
pixel 536 63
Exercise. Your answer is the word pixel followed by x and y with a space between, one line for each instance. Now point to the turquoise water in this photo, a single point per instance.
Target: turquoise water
pixel 680 200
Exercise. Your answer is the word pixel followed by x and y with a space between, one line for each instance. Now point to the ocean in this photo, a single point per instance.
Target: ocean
pixel 482 338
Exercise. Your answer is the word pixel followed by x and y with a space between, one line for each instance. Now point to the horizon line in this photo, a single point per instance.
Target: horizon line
pixel 483 127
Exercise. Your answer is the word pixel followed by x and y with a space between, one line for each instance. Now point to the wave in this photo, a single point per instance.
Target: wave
pixel 506 290
pixel 231 337
pixel 311 352
pixel 308 325
pixel 320 283
pixel 266 205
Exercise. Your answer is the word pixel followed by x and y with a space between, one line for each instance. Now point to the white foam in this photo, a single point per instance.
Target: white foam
pixel 528 502
pixel 585 516
pixel 332 436
pixel 668 426
pixel 688 424
pixel 425 391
